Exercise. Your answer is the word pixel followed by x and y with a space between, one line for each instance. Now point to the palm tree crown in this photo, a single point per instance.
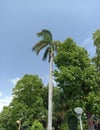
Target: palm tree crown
pixel 47 41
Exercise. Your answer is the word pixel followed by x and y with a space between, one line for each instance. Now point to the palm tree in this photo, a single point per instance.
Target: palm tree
pixel 51 47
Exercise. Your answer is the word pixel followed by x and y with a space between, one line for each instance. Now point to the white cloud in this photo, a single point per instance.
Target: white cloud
pixel 4 101
pixel 0 94
pixel 14 81
pixel 88 45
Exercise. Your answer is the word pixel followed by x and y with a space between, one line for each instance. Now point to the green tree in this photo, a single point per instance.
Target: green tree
pixel 1 128
pixel 51 47
pixel 72 119
pixel 96 59
pixel 76 76
pixel 27 104
pixel 59 108
pixel 6 120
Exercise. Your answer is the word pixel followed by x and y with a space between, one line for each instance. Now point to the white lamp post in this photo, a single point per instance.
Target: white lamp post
pixel 79 112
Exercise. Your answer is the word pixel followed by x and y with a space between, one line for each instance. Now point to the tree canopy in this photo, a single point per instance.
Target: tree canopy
pixel 76 76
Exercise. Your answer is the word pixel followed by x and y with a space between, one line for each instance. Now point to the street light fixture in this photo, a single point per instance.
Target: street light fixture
pixel 79 112
pixel 19 123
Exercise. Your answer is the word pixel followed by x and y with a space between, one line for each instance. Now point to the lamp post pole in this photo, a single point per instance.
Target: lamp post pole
pixel 79 112
pixel 79 117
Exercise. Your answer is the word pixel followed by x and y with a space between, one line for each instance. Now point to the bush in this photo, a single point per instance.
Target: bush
pixel 63 127
pixel 72 122
pixel 37 125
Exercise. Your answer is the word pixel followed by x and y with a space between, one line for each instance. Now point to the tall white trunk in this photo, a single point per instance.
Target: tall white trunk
pixel 50 95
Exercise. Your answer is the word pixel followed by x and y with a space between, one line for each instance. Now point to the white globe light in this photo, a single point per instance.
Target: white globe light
pixel 78 110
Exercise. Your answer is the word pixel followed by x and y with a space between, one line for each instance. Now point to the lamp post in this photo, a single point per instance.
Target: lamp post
pixel 79 112
pixel 19 123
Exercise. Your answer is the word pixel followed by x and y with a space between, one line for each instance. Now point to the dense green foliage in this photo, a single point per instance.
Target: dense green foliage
pixel 37 125
pixel 76 77
pixel 96 59
pixel 75 74
pixel 72 121
pixel 27 104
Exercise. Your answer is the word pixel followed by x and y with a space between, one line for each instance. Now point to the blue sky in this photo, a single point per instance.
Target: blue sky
pixel 20 20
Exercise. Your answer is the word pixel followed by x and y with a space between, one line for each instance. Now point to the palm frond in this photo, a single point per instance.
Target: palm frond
pixel 46 35
pixel 51 46
pixel 39 46
pixel 46 53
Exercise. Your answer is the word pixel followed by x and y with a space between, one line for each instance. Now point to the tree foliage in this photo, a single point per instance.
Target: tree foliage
pixel 96 59
pixel 76 76
pixel 27 103
pixel 37 125
pixel 46 42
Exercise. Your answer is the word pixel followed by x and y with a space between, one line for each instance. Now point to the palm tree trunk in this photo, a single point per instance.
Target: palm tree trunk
pixel 50 95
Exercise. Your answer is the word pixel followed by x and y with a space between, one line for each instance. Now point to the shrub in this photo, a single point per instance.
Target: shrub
pixel 37 125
